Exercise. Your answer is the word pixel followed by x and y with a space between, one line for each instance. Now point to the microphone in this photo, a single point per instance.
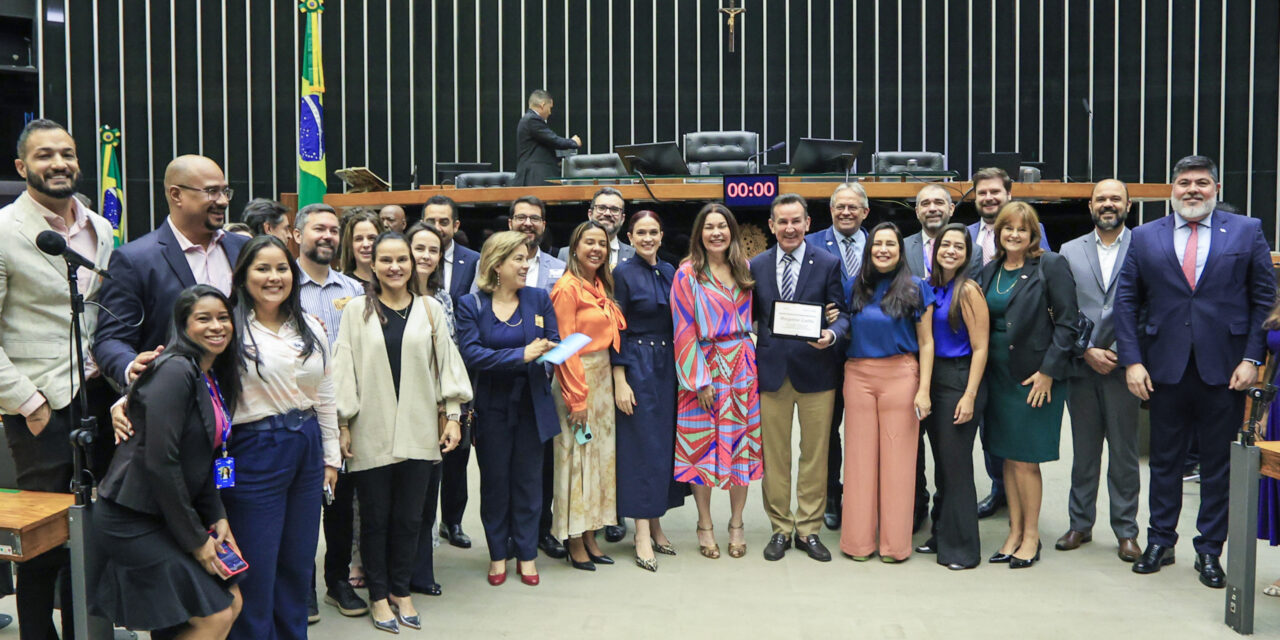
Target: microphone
pixel 777 147
pixel 52 243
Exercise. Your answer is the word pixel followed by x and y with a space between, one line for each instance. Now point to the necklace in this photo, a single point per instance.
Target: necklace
pixel 1000 278
pixel 403 313
pixel 518 322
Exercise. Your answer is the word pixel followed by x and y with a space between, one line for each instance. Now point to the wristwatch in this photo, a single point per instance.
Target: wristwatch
pixel 454 416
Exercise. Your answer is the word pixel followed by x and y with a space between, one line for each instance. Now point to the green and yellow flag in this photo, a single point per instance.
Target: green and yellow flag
pixel 311 169
pixel 112 196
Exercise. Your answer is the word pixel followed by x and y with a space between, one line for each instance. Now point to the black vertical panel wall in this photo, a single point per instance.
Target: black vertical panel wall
pixel 411 83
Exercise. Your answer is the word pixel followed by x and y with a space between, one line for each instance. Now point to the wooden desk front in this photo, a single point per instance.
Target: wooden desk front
pixel 32 522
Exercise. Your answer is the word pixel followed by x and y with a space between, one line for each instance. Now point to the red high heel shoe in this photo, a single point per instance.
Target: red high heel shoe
pixel 497 579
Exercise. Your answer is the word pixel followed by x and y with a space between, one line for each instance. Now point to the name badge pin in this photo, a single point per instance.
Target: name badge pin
pixel 537 321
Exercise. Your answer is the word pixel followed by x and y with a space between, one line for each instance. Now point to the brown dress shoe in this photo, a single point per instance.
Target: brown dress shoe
pixel 1129 549
pixel 1072 540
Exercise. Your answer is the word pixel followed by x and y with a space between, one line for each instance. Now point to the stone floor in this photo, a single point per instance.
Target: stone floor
pixel 1087 593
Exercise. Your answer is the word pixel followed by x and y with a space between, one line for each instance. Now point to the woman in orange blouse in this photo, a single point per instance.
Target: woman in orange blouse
pixel 585 496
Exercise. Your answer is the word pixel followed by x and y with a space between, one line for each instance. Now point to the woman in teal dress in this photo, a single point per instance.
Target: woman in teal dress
pixel 1032 298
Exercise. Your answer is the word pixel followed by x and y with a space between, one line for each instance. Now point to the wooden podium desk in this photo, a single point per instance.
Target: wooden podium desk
pixel 705 188
pixel 32 522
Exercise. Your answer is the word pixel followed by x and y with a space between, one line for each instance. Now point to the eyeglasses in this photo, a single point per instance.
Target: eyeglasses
pixel 211 192
pixel 604 208
pixel 848 207
pixel 524 218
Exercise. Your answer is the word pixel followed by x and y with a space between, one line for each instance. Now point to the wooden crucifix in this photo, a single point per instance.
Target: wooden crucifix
pixel 732 11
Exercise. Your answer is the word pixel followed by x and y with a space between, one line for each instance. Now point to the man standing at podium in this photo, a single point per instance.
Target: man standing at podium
pixel 37 384
pixel 536 143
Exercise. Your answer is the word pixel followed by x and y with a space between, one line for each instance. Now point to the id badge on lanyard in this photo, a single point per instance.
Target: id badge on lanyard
pixel 224 467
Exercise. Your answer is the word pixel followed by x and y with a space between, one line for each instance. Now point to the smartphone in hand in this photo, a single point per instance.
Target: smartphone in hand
pixel 231 561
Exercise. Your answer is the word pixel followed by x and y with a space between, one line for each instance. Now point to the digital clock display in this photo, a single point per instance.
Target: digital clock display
pixel 750 190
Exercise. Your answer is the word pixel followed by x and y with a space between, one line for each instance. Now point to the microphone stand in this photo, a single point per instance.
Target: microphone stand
pixel 1242 519
pixel 84 430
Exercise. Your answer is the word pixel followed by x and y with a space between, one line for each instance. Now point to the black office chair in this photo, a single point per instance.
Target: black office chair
pixel 721 152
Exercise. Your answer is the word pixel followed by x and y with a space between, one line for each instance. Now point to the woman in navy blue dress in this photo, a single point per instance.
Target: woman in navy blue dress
pixel 646 424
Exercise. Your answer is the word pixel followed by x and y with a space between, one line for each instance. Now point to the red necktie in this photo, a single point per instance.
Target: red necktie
pixel 1189 257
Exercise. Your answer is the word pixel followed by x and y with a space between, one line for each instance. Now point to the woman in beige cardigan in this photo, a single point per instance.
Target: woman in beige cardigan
pixel 388 341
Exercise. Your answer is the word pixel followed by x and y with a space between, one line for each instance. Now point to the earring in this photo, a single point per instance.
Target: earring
pixel 498 279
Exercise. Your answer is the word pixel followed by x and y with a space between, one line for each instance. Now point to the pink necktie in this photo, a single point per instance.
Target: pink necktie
pixel 988 242
pixel 1189 257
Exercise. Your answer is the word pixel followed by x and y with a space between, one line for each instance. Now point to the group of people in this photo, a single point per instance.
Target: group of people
pixel 251 387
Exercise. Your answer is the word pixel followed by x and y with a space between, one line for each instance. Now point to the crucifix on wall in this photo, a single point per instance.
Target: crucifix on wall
pixel 732 11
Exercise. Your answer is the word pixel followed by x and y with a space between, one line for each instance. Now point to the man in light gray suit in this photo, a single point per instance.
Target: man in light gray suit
pixel 37 385
pixel 933 209
pixel 528 216
pixel 610 210
pixel 1100 403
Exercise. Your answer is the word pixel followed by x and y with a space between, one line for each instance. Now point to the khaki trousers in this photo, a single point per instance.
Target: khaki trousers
pixel 776 410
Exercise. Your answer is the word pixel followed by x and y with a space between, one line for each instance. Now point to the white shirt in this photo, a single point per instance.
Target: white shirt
pixel 798 254
pixel 282 381
pixel 614 246
pixel 1107 254
pixel 448 267
pixel 209 265
pixel 531 278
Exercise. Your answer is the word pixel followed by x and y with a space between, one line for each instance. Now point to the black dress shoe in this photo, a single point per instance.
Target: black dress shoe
pixel 1000 558
pixel 552 547
pixel 1156 556
pixel 582 566
pixel 831 517
pixel 777 547
pixel 1018 563
pixel 342 596
pixel 991 504
pixel 1211 574
pixel 615 533
pixel 453 533
pixel 432 589
pixel 599 559
pixel 930 546
pixel 811 545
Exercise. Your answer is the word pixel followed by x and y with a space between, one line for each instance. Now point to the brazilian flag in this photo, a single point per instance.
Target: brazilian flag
pixel 112 196
pixel 311 170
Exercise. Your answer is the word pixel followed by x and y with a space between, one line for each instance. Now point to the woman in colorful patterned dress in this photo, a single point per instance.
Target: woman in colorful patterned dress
pixel 718 423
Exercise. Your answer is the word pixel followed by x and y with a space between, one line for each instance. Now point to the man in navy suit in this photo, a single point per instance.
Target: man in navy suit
pixel 845 239
pixel 147 275
pixel 528 215
pixel 1193 293
pixel 991 189
pixel 459 264
pixel 796 376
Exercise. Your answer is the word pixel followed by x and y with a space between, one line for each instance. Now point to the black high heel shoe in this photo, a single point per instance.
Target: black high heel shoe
pixel 1018 563
pixel 1000 558
pixel 584 566
pixel 599 559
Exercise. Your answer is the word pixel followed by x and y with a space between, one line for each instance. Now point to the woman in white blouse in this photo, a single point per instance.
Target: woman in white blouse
pixel 284 442
pixel 401 383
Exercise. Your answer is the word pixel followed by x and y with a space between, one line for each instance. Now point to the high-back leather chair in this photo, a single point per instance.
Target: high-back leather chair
pixel 594 165
pixel 900 161
pixel 721 152
pixel 484 179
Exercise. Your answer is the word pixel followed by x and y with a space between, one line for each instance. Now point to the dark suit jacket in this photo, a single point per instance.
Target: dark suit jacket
pixel 146 277
pixel 166 468
pixel 536 146
pixel 1221 319
pixel 464 272
pixel 1041 318
pixel 827 239
pixel 913 251
pixel 1096 300
pixel 473 318
pixel 810 370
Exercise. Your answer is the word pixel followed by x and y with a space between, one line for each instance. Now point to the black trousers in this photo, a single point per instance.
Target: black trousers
pixel 391 500
pixel 424 564
pixel 955 521
pixel 43 463
pixel 453 484
pixel 339 531
pixel 1182 413
pixel 548 487
pixel 835 451
pixel 509 453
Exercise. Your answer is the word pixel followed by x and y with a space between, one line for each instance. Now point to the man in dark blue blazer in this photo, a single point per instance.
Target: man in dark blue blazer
pixel 991 190
pixel 846 240
pixel 1192 296
pixel 459 264
pixel 147 275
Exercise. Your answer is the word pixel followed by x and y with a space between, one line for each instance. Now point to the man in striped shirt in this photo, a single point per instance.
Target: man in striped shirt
pixel 324 292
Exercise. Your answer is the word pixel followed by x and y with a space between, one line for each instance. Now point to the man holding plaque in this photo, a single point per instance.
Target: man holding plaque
pixel 796 282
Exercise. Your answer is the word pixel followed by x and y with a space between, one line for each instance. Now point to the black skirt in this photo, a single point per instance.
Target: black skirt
pixel 147 581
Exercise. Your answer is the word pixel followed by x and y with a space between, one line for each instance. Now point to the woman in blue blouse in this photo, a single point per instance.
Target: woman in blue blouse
pixel 886 394
pixel 502 330
pixel 646 427
pixel 960 335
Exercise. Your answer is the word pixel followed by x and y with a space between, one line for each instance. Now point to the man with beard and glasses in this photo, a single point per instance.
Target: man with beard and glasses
pixel 1100 404
pixel 991 190
pixel 147 275
pixel 610 210
pixel 324 292
pixel 37 385
pixel 845 239
pixel 1193 293
pixel 933 210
